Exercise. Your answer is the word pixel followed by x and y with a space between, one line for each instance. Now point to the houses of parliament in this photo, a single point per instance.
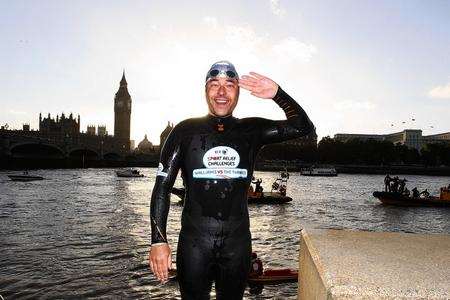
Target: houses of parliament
pixel 60 138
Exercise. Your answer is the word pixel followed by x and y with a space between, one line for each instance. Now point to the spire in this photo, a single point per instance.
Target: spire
pixel 123 81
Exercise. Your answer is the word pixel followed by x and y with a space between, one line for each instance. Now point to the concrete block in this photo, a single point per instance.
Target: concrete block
pixel 343 264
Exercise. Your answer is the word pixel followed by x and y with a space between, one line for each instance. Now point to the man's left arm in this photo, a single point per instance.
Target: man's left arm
pixel 297 123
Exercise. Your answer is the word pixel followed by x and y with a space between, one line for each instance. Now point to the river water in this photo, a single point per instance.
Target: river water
pixel 85 233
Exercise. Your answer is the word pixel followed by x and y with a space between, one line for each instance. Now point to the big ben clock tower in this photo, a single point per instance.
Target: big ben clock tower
pixel 122 114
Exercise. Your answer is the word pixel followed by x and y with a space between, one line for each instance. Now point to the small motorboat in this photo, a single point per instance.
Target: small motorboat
pixel 274 276
pixel 392 198
pixel 129 173
pixel 268 198
pixel 396 193
pixel 319 171
pixel 277 195
pixel 25 177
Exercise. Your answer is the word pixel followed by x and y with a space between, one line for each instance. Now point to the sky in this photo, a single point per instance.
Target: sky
pixel 354 66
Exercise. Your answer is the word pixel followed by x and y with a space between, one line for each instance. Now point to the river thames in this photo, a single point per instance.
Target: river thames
pixel 84 233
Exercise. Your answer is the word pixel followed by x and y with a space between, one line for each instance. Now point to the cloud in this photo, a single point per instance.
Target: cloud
pixel 277 9
pixel 350 105
pixel 210 21
pixel 293 49
pixel 440 92
pixel 244 37
pixel 244 42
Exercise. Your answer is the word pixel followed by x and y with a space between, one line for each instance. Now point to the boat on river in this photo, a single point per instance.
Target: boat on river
pixel 25 177
pixel 277 195
pixel 268 198
pixel 274 276
pixel 398 199
pixel 129 173
pixel 319 171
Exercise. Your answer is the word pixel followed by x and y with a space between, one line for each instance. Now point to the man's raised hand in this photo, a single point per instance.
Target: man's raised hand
pixel 259 85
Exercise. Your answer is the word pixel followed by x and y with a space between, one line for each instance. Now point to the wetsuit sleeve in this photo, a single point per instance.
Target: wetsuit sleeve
pixel 297 124
pixel 165 177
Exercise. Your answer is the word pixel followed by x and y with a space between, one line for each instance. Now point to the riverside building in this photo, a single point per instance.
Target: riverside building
pixel 411 138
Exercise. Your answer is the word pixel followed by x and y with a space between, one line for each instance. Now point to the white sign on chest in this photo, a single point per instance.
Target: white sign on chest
pixel 220 163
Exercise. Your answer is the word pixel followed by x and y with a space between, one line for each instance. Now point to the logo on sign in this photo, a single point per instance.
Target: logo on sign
pixel 221 163
pixel 221 157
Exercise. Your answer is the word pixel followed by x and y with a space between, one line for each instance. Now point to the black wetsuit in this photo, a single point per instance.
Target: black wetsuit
pixel 216 157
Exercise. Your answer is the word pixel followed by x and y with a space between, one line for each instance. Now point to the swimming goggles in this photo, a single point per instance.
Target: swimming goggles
pixel 222 69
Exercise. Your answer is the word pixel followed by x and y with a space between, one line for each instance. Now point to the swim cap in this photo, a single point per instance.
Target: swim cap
pixel 222 68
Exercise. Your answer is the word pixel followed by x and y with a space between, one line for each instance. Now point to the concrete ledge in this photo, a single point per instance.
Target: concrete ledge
pixel 341 264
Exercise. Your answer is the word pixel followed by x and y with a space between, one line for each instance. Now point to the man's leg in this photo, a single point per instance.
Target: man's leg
pixel 193 267
pixel 233 267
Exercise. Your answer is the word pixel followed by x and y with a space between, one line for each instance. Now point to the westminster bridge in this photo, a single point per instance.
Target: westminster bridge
pixel 16 145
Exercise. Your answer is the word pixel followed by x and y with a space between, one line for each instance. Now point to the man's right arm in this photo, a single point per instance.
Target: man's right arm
pixel 160 257
pixel 165 177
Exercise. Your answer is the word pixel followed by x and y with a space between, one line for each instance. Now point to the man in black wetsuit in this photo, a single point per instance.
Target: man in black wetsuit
pixel 216 155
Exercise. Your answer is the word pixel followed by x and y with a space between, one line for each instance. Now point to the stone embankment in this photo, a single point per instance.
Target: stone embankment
pixel 341 264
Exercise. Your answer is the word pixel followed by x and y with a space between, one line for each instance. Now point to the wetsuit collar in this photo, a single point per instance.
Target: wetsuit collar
pixel 220 124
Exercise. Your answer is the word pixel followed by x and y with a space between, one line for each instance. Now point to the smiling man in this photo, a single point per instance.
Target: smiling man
pixel 216 155
pixel 222 101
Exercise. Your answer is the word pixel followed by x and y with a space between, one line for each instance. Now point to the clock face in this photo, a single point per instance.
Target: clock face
pixel 119 103
pixel 129 105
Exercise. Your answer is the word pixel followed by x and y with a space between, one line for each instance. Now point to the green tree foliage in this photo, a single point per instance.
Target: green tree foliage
pixel 283 151
pixel 436 154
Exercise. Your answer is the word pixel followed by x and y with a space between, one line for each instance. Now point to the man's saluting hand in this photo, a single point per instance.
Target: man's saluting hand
pixel 259 85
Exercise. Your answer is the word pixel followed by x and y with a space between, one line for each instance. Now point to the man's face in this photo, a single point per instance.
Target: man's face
pixel 222 96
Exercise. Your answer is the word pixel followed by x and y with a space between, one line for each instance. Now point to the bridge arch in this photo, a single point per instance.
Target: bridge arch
pixel 83 152
pixel 112 156
pixel 36 150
